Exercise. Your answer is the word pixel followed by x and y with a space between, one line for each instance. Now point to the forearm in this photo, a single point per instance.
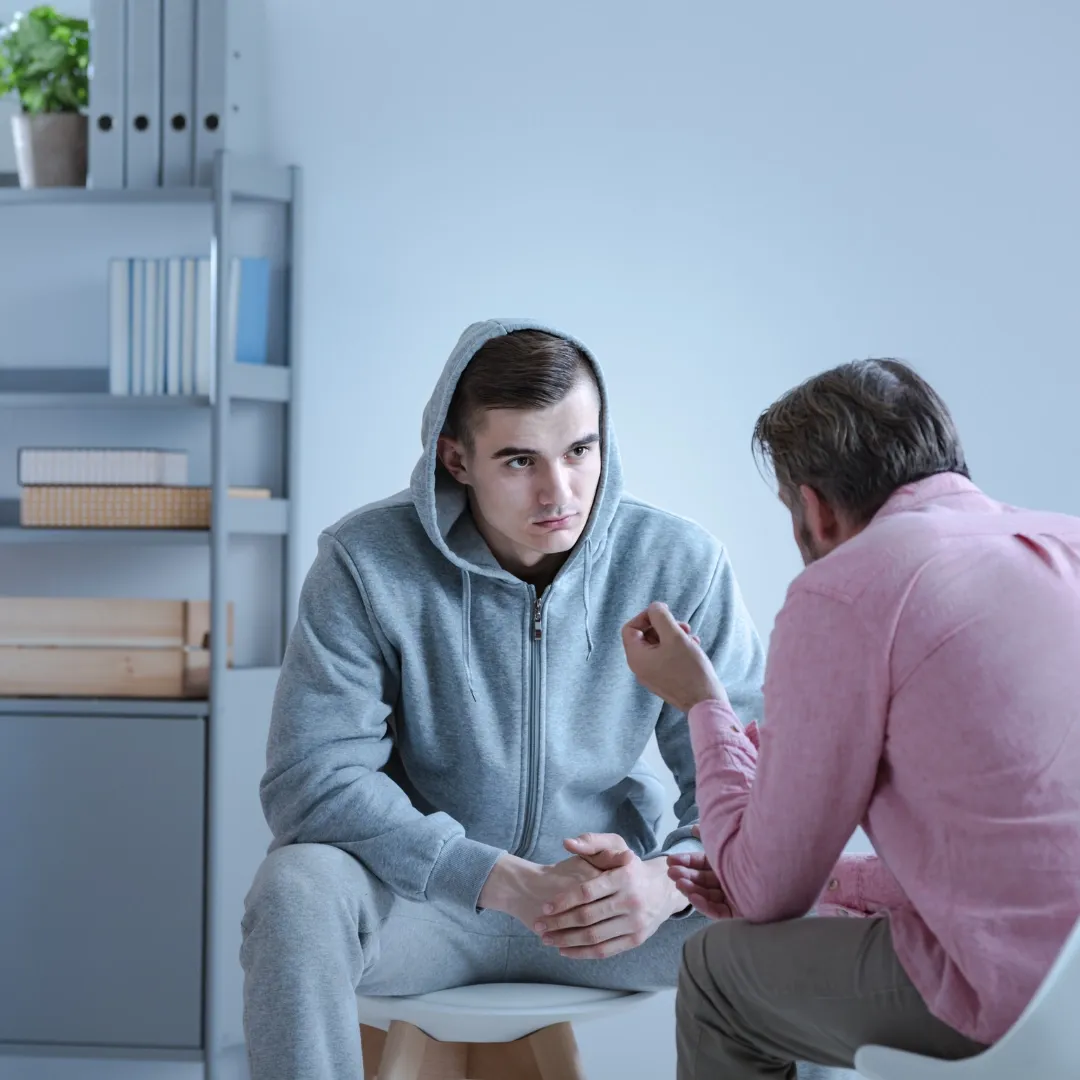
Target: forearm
pixel 509 879
pixel 676 904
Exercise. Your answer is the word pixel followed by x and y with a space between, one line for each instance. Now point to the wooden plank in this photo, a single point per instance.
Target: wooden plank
pixel 81 672
pixel 98 621
pixel 92 622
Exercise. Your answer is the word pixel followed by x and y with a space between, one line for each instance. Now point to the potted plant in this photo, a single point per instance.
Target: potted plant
pixel 44 59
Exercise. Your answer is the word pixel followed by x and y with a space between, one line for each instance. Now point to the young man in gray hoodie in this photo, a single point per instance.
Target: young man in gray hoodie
pixel 454 709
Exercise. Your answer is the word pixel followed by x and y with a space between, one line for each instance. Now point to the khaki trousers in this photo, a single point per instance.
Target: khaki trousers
pixel 755 998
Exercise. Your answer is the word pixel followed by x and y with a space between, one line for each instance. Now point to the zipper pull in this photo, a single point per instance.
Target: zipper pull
pixel 537 631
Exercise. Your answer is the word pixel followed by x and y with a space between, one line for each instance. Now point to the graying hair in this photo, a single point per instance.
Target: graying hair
pixel 856 433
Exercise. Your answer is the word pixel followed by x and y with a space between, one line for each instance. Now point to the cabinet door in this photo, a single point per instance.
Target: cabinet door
pixel 101 880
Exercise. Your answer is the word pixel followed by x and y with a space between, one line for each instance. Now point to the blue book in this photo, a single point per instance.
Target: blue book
pixel 249 301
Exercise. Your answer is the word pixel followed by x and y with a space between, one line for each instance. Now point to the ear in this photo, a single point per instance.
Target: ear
pixel 452 455
pixel 819 517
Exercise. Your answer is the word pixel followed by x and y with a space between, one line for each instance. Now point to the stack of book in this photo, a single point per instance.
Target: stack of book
pixel 102 489
pixel 161 338
pixel 113 489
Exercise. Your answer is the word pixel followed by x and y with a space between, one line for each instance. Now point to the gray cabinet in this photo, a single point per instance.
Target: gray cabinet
pixel 101 879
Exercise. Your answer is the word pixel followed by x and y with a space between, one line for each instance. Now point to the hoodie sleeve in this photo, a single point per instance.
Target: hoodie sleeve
pixel 329 740
pixel 731 641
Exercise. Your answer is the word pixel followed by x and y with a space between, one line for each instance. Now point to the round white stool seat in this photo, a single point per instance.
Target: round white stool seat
pixel 494 1012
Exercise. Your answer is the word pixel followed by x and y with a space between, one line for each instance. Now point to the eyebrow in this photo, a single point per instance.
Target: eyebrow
pixel 521 451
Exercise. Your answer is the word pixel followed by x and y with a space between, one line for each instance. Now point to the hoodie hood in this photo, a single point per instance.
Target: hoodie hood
pixel 441 501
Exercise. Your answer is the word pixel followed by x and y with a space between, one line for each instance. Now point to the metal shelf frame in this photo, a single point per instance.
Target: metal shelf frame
pixel 233 692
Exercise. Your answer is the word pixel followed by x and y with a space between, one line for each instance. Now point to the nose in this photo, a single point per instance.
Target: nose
pixel 555 486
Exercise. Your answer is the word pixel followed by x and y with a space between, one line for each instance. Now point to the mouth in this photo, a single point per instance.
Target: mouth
pixel 556 524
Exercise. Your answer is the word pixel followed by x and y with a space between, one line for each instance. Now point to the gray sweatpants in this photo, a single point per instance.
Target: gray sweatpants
pixel 318 927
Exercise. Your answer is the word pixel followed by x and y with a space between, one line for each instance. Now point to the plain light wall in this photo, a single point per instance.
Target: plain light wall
pixel 720 199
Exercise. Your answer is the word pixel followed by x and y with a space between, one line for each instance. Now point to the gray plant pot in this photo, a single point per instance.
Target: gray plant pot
pixel 50 149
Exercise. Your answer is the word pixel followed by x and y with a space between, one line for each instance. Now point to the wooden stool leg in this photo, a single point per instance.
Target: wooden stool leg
pixel 556 1053
pixel 409 1054
pixel 502 1061
pixel 372 1041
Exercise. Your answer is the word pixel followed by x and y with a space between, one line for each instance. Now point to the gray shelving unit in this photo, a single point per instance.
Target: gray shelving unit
pixel 131 829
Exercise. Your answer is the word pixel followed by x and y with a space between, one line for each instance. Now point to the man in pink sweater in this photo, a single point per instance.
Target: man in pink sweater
pixel 923 681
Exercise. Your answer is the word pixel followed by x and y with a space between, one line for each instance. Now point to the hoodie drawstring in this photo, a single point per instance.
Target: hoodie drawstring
pixel 466 622
pixel 586 578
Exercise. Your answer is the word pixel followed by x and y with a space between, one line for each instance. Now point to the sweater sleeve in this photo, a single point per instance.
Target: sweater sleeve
pixel 329 741
pixel 731 642
pixel 774 824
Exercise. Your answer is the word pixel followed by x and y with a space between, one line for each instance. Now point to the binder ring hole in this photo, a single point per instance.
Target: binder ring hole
pixel 104 123
pixel 213 122
pixel 179 122
pixel 142 123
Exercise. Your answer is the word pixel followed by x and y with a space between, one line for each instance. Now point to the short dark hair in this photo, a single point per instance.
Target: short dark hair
pixel 525 369
pixel 857 433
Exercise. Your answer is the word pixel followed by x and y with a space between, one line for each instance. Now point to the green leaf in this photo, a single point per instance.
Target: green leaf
pixel 44 58
pixel 33 99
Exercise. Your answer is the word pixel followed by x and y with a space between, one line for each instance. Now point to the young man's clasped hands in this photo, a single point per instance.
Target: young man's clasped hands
pixel 631 897
pixel 619 908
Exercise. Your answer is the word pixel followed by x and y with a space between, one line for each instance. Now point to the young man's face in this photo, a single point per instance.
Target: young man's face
pixel 532 475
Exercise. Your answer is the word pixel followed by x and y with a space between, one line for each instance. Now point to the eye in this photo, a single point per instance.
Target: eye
pixel 519 463
pixel 580 451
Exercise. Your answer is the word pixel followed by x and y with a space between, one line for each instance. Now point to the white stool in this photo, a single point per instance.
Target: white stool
pixel 496 1031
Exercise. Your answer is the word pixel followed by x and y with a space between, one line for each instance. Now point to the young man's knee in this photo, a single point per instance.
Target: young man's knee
pixel 298 883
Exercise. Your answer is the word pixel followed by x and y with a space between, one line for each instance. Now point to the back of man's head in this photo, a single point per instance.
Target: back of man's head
pixel 525 369
pixel 857 433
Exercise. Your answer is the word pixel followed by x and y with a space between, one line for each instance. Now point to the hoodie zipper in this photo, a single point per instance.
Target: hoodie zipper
pixel 532 792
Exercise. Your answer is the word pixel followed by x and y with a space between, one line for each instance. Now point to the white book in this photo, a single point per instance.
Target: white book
pixel 138 313
pixel 174 326
pixel 204 331
pixel 162 325
pixel 47 465
pixel 150 336
pixel 187 332
pixel 119 326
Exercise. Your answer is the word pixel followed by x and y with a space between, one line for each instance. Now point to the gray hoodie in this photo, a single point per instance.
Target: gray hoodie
pixel 433 713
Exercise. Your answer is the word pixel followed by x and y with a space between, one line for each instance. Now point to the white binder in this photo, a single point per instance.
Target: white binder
pixel 211 86
pixel 108 65
pixel 177 93
pixel 143 149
